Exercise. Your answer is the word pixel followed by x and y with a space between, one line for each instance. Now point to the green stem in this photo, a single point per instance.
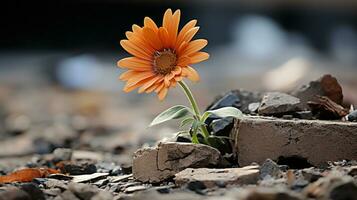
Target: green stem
pixel 193 102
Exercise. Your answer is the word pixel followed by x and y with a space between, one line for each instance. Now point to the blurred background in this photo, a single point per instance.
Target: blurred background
pixel 58 71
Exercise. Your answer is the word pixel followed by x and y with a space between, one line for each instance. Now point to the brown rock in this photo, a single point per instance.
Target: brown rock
pixel 327 85
pixel 257 139
pixel 14 193
pixel 268 194
pixel 77 168
pixel 335 187
pixel 219 177
pixel 164 161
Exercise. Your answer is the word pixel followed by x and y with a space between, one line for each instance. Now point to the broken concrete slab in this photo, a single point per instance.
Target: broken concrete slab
pixel 169 158
pixel 315 141
pixel 219 177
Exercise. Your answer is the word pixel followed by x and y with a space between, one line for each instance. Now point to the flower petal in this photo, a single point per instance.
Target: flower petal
pixel 149 83
pixel 183 31
pixel 148 22
pixel 136 29
pixel 194 46
pixel 164 37
pixel 154 86
pixel 139 42
pixel 189 34
pixel 134 50
pixel 162 94
pixel 182 47
pixel 135 63
pixel 129 88
pixel 177 70
pixel 198 57
pixel 162 85
pixel 139 77
pixel 126 75
pixel 167 20
pixel 191 73
pixel 183 61
pixel 167 78
pixel 174 28
pixel 178 78
pixel 173 83
pixel 152 38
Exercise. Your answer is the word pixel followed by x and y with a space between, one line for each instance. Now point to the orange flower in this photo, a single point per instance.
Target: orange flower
pixel 161 55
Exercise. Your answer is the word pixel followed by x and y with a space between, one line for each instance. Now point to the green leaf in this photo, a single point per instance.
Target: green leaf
pixel 205 116
pixel 227 112
pixel 195 139
pixel 196 124
pixel 175 112
pixel 187 122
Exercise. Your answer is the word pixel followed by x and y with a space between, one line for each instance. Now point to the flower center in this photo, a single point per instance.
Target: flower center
pixel 164 61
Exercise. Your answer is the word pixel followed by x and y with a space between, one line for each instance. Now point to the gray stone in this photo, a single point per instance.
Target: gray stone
pixel 315 141
pixel 135 188
pixel 270 168
pixel 236 98
pixel 52 192
pixel 33 190
pixel 61 154
pixel 352 116
pixel 153 194
pixel 219 177
pixel 83 191
pixel 311 174
pixel 277 103
pixel 13 193
pixel 103 195
pixel 115 179
pixel 67 195
pixel 253 107
pixel 89 177
pixel 222 127
pixel 54 183
pixel 163 162
pixel 307 114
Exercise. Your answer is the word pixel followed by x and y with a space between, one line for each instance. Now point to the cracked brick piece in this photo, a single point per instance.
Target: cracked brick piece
pixel 258 138
pixel 157 164
pixel 219 177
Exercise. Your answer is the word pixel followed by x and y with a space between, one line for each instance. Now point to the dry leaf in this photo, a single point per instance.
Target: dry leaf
pixel 325 108
pixel 27 175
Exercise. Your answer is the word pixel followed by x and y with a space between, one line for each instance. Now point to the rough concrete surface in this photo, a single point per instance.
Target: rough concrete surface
pixel 164 161
pixel 219 177
pixel 258 138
